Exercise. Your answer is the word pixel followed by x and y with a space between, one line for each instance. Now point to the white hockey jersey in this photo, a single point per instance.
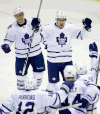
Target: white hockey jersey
pixel 81 89
pixel 91 76
pixel 21 35
pixel 22 102
pixel 58 41
pixel 85 85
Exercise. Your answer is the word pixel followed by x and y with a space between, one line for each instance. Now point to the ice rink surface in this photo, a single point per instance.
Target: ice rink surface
pixel 76 10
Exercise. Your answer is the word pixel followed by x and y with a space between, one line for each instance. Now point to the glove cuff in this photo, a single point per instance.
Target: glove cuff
pixel 93 54
pixel 88 28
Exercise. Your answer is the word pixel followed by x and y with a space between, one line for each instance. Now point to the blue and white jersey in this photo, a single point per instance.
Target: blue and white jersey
pixel 58 41
pixel 82 89
pixel 92 93
pixel 21 35
pixel 22 102
pixel 91 76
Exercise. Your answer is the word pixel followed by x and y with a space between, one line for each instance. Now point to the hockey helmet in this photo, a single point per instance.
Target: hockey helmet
pixel 30 83
pixel 81 68
pixel 18 10
pixel 70 72
pixel 60 15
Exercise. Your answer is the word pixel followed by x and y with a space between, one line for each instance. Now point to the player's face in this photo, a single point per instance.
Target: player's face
pixel 20 18
pixel 61 23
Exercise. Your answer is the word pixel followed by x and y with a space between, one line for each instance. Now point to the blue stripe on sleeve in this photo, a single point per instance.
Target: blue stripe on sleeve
pixel 8 40
pixel 56 99
pixel 57 96
pixel 6 108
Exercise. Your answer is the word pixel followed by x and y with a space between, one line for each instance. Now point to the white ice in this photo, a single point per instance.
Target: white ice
pixel 76 10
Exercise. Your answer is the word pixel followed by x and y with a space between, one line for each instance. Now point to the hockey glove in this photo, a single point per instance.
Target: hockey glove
pixel 67 86
pixel 35 24
pixel 93 50
pixel 87 24
pixel 84 102
pixel 5 48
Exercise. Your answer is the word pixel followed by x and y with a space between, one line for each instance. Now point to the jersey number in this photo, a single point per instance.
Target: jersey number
pixel 27 105
pixel 75 101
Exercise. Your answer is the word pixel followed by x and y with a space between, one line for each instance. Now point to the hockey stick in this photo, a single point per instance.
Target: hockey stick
pixel 63 108
pixel 96 80
pixel 31 41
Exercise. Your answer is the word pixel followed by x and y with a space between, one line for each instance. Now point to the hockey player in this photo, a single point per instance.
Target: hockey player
pixel 84 74
pixel 81 68
pixel 23 101
pixel 57 38
pixel 20 32
pixel 84 85
pixel 84 91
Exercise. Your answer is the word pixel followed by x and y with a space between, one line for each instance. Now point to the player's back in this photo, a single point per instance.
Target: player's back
pixel 76 94
pixel 23 101
pixel 29 99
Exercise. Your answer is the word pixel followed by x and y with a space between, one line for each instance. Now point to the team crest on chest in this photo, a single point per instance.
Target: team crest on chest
pixel 61 40
pixel 26 39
